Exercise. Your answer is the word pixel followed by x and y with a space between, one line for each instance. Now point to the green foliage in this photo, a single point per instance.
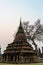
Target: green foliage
pixel 22 64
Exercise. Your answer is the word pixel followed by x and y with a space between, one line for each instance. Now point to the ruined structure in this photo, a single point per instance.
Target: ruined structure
pixel 0 53
pixel 20 51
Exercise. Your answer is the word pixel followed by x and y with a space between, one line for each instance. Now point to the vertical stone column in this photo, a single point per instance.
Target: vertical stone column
pixel 17 58
pixel 13 58
pixel 7 58
pixel 3 59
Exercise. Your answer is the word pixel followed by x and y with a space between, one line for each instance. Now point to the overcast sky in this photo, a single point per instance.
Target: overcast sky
pixel 10 13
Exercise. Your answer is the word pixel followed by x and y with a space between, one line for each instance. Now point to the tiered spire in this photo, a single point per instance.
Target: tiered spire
pixel 20 29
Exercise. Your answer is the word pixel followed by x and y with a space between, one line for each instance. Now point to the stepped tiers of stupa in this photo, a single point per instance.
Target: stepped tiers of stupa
pixel 20 51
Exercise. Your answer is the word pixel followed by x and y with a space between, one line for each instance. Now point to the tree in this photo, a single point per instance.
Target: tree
pixel 33 32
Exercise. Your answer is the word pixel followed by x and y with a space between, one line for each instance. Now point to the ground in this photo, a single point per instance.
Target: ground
pixel 22 64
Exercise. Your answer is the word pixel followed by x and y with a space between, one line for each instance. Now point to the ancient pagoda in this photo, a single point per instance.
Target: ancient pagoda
pixel 20 51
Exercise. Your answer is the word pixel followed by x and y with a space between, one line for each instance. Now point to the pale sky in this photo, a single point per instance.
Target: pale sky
pixel 10 13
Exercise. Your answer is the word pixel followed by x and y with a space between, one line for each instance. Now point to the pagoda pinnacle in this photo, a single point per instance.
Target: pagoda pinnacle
pixel 20 24
pixel 20 21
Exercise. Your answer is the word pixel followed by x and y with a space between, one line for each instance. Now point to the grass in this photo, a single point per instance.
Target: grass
pixel 22 64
